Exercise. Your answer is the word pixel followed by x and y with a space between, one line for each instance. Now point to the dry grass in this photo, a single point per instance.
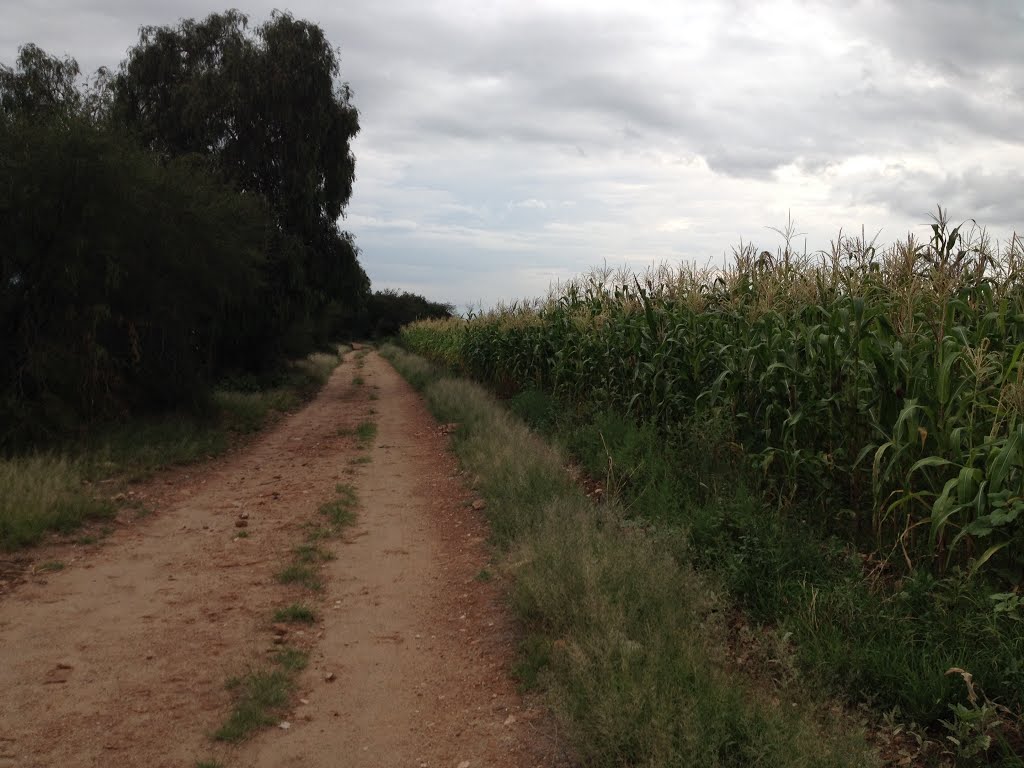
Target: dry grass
pixel 43 493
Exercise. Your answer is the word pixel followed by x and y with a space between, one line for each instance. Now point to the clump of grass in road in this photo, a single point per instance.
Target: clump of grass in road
pixel 307 554
pixel 307 557
pixel 364 459
pixel 365 433
pixel 209 764
pixel 261 696
pixel 301 573
pixel 623 632
pixel 258 696
pixel 51 566
pixel 341 510
pixel 292 659
pixel 39 494
pixel 296 613
pixel 315 532
pixel 358 381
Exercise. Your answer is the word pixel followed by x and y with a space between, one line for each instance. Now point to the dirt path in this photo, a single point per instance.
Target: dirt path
pixel 121 659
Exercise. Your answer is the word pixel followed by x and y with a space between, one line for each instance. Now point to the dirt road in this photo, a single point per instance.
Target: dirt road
pixel 121 658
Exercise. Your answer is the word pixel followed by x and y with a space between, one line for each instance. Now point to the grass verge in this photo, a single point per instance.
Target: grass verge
pixel 625 637
pixel 890 640
pixel 59 491
pixel 39 494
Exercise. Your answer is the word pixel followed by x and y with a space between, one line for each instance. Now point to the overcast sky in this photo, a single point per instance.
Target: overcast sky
pixel 506 145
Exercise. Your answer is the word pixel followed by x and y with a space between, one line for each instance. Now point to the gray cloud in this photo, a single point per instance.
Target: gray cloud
pixel 647 130
pixel 992 198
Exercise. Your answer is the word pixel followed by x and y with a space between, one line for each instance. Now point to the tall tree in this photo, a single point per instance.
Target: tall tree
pixel 39 86
pixel 125 279
pixel 267 108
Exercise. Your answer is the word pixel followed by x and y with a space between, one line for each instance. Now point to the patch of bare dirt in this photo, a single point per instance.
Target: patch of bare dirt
pixel 121 658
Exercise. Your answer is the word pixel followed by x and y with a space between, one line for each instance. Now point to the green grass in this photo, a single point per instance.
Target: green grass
pixel 624 637
pixel 341 510
pixel 261 696
pixel 366 432
pixel 303 574
pixel 292 659
pixel 308 554
pixel 60 491
pixel 296 613
pixel 888 641
pixel 135 449
pixel 414 369
pixel 304 568
pixel 51 566
pixel 40 494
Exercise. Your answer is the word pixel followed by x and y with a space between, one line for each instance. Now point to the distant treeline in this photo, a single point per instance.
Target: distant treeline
pixel 175 221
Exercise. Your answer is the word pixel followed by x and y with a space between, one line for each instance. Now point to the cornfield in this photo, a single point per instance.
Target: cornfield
pixel 883 389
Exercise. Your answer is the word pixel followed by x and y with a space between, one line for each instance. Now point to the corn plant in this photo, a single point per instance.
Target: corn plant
pixel 879 386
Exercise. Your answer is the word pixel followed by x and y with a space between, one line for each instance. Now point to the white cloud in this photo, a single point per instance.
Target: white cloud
pixel 510 143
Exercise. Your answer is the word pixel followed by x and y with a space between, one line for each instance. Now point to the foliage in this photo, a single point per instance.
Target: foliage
pixel 883 388
pixel 836 440
pixel 39 494
pixel 265 109
pixel 624 638
pixel 40 87
pixel 172 225
pixel 103 305
pixel 389 310
pixel 45 492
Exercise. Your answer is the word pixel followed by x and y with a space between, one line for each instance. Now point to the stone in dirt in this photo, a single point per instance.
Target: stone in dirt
pixel 479 504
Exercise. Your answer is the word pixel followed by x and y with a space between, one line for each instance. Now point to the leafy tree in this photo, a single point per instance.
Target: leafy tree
pixel 266 108
pixel 389 310
pixel 124 280
pixel 40 86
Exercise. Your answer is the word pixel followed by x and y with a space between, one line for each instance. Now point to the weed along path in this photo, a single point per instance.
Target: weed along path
pixel 365 643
